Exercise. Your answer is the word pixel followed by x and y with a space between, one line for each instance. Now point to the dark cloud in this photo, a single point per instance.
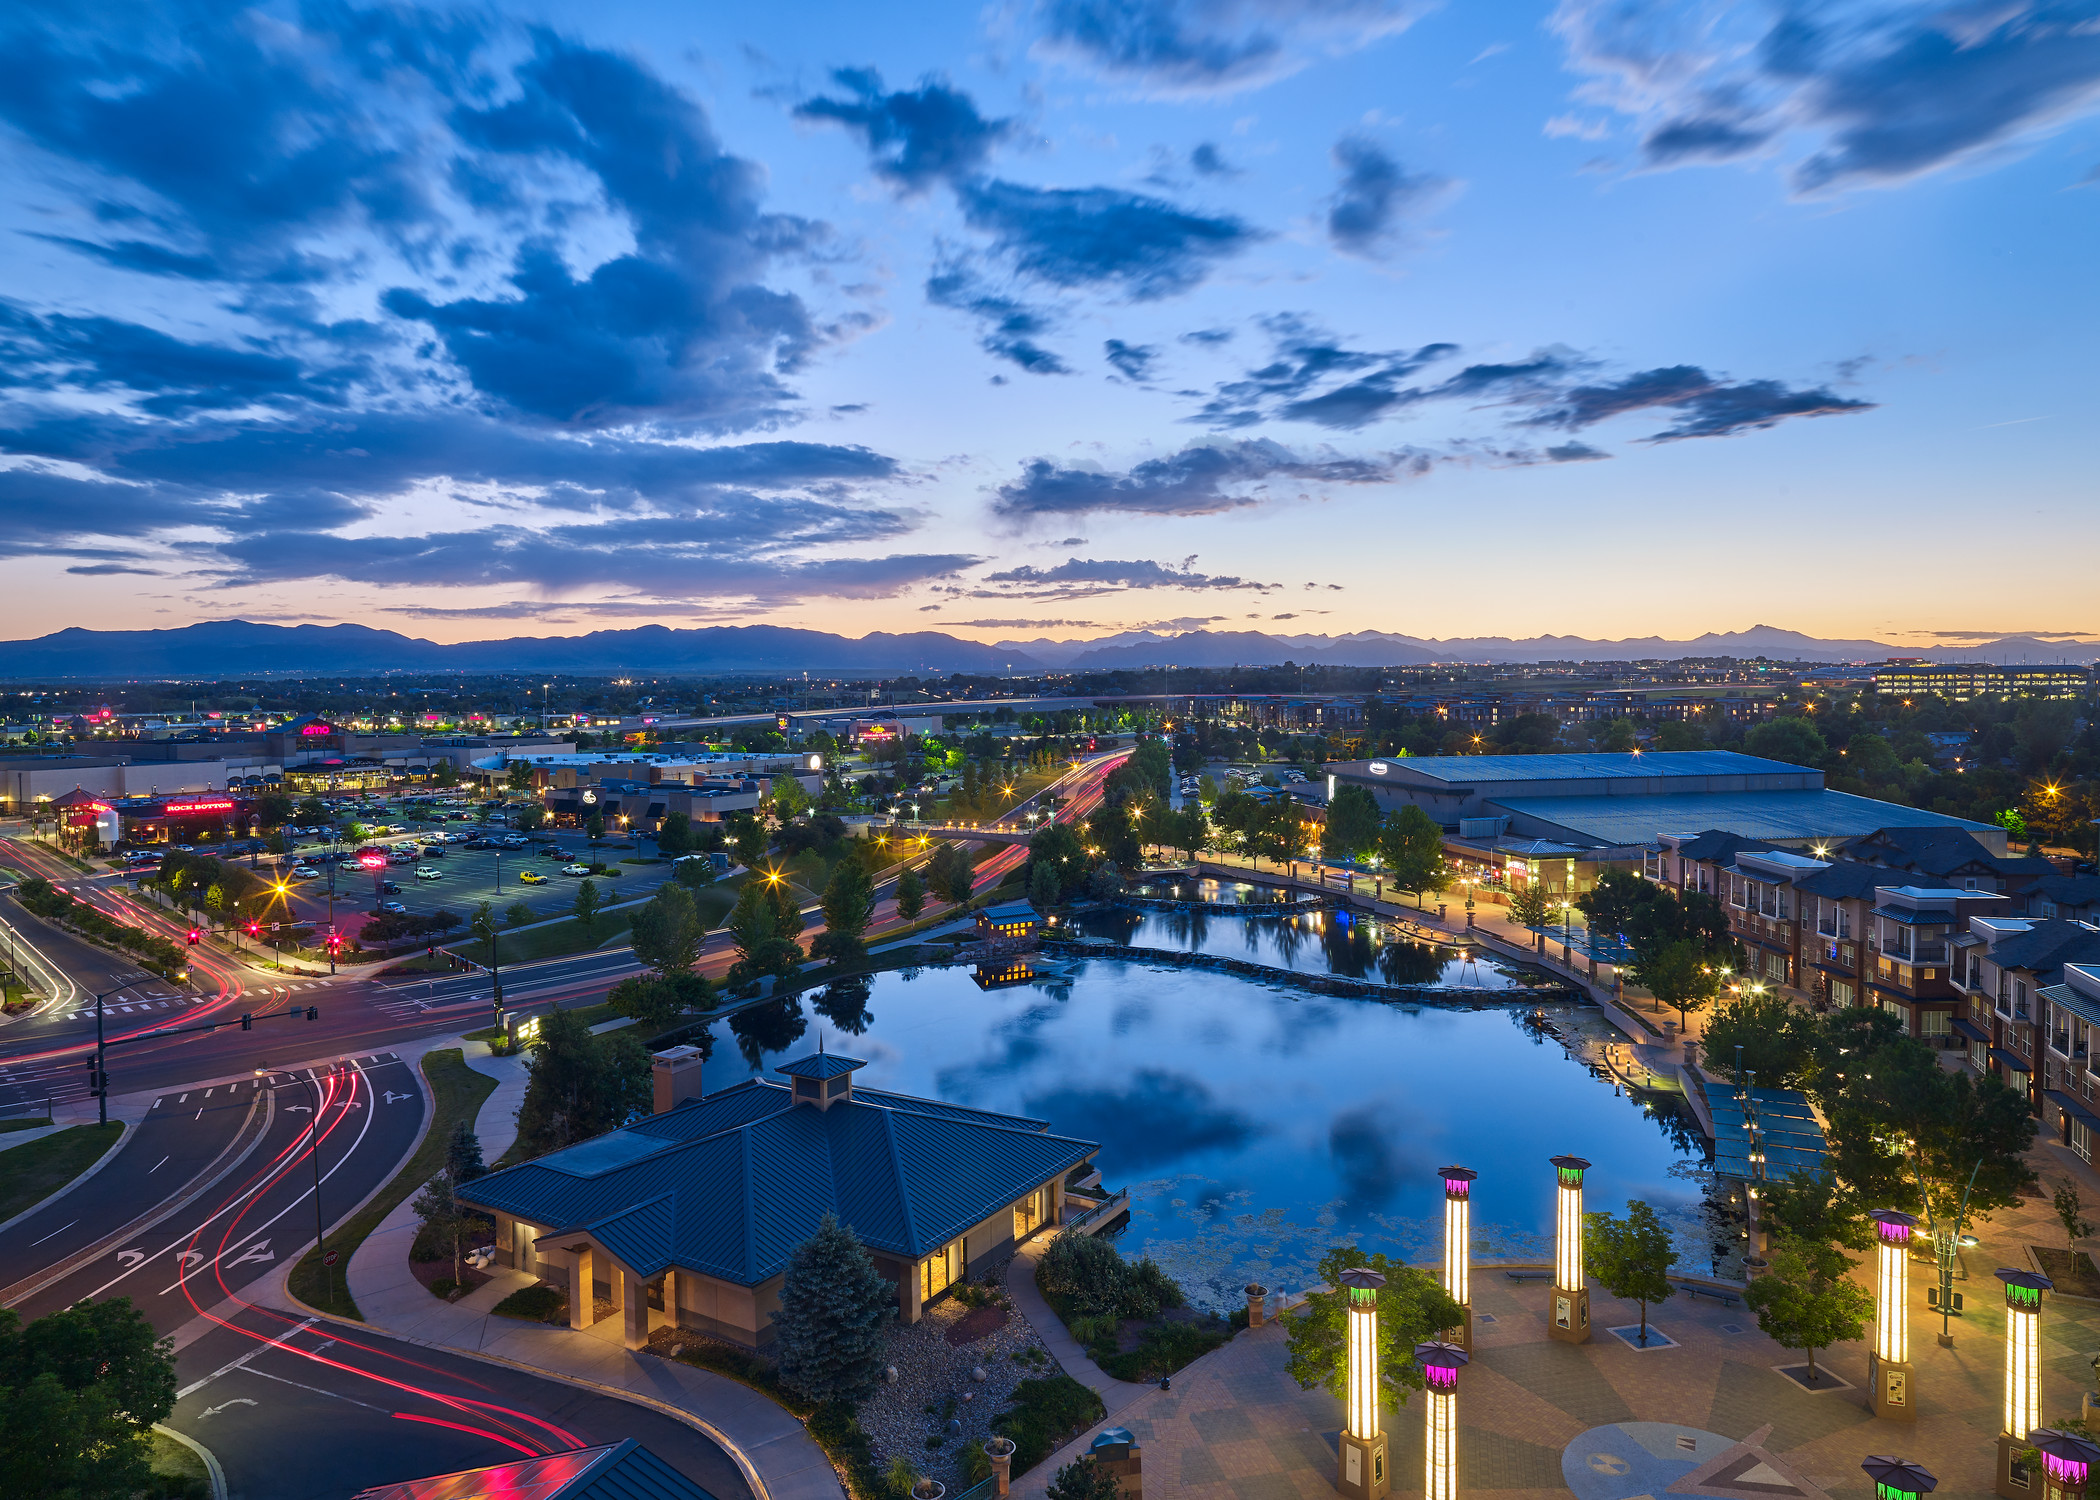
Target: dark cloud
pixel 916 137
pixel 1304 358
pixel 1092 577
pixel 170 376
pixel 1201 480
pixel 1881 93
pixel 101 570
pixel 1573 453
pixel 1210 46
pixel 1706 405
pixel 1154 1119
pixel 1142 247
pixel 1134 361
pixel 1374 198
pixel 1011 326
pixel 1208 161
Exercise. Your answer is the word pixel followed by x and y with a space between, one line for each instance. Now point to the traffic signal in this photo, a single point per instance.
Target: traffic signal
pixel 432 950
pixel 195 937
pixel 255 929
pixel 247 1022
pixel 313 1012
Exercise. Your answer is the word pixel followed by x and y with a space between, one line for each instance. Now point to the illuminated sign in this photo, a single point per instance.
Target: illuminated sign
pixel 589 798
pixel 305 729
pixel 1377 768
pixel 208 805
pixel 372 861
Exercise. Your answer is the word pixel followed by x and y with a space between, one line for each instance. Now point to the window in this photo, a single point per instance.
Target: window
pixel 1842 992
pixel 942 1269
pixel 1029 1212
pixel 1936 1023
pixel 1895 1008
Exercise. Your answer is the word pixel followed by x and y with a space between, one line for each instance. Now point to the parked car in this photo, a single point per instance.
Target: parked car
pixel 531 877
pixel 433 851
pixel 305 872
pixel 426 873
pixel 389 888
pixel 576 869
pixel 390 908
pixel 551 852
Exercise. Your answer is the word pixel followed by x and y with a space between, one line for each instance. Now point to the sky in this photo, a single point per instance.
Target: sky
pixel 1053 317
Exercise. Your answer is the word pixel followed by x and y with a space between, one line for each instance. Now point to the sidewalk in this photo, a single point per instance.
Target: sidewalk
pixel 779 1458
pixel 1116 1395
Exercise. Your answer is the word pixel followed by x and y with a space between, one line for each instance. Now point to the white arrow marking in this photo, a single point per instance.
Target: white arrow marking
pixel 394 1098
pixel 213 1411
pixel 131 1259
pixel 260 1250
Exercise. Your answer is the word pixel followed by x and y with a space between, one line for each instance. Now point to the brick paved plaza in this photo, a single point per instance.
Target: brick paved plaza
pixel 1234 1426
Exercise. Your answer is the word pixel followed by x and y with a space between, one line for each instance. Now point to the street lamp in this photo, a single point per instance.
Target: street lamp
pixel 1441 1363
pixel 1458 1244
pixel 1363 1474
pixel 1888 1365
pixel 1571 1293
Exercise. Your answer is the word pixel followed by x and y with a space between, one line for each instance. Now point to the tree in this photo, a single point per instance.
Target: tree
pixel 482 927
pixel 911 894
pixel 668 931
pixel 849 901
pixel 445 774
pixel 1630 1257
pixel 1778 1042
pixel 1805 1302
pixel 1794 741
pixel 594 830
pixel 2068 1211
pixel 587 907
pixel 747 839
pixel 1612 903
pixel 1412 1307
pixel 463 1154
pixel 1411 847
pixel 1191 832
pixel 1612 736
pixel 1085 1478
pixel 1352 824
pixel 950 874
pixel 274 809
pixel 676 834
pixel 754 931
pixel 313 810
pixel 444 1218
pixel 518 914
pixel 785 799
pixel 1814 1208
pixel 1111 833
pixel 1528 906
pixel 1678 974
pixel 84 1387
pixel 1043 888
pixel 578 1085
pixel 658 1002
pixel 518 777
pixel 833 1307
pixel 1058 847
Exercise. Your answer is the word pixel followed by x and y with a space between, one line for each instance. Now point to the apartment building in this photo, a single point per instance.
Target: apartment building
pixel 1947 857
pixel 2004 963
pixel 2076 897
pixel 2071 1028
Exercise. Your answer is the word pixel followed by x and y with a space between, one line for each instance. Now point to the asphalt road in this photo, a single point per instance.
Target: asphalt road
pixel 304 1410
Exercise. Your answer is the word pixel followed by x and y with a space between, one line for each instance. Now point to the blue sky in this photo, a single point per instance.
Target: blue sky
pixel 1603 317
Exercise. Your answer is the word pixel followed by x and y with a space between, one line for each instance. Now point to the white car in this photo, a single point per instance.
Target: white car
pixel 576 869
pixel 305 872
pixel 427 873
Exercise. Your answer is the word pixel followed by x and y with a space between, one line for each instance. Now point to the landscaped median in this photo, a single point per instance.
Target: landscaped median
pixel 34 1170
pixel 457 1092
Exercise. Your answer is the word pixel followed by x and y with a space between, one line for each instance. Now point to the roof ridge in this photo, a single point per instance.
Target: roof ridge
pixel 889 1134
pixel 750 1207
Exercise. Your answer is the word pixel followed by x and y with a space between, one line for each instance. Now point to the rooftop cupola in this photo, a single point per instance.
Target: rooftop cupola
pixel 823 1078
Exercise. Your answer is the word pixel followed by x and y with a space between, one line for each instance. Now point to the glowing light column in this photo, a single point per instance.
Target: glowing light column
pixel 2023 1376
pixel 1458 1245
pixel 1364 1474
pixel 2067 1463
pixel 1441 1363
pixel 1571 1297
pixel 1888 1366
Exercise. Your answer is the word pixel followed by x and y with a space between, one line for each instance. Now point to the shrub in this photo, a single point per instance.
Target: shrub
pixel 1165 1348
pixel 536 1304
pixel 1083 1274
pixel 1045 1414
pixel 1091 1328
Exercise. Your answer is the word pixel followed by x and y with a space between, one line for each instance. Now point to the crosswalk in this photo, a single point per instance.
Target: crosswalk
pixel 138 1004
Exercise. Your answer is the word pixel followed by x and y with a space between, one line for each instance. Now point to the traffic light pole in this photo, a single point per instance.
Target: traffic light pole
pixel 102 1044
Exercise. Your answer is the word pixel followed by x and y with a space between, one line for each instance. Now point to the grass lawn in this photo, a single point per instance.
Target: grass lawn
pixel 549 940
pixel 459 1091
pixel 29 1174
pixel 35 1122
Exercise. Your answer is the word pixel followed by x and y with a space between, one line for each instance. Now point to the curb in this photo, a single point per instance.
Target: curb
pixel 215 1476
pixel 100 1162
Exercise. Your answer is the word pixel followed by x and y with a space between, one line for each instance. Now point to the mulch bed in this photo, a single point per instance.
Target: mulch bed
pixel 430 1271
pixel 979 1322
pixel 2074 1275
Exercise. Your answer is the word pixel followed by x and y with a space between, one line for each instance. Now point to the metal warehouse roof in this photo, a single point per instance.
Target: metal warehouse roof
pixel 732 1184
pixel 1762 815
pixel 1480 769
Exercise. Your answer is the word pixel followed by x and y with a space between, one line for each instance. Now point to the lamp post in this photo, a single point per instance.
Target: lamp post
pixel 101 1058
pixel 1888 1366
pixel 1363 1473
pixel 1898 1478
pixel 2067 1462
pixel 2023 1382
pixel 1440 1363
pixel 1458 1245
pixel 1571 1297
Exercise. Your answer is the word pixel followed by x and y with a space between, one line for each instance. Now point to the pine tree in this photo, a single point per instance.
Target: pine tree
pixel 911 895
pixel 463 1161
pixel 833 1307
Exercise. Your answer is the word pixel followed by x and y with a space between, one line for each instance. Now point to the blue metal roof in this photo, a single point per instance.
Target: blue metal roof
pixel 1789 1135
pixel 1765 815
pixel 1474 769
pixel 730 1186
pixel 821 1065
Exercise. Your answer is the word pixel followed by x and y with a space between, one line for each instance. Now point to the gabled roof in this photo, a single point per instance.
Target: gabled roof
pixel 1942 852
pixel 1714 844
pixel 2046 947
pixel 2068 890
pixel 1845 880
pixel 730 1185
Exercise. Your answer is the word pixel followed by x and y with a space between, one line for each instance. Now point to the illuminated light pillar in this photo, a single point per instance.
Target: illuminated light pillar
pixel 2023 1376
pixel 1458 1245
pixel 1440 1363
pixel 1898 1478
pixel 1364 1473
pixel 2067 1462
pixel 1888 1365
pixel 1571 1297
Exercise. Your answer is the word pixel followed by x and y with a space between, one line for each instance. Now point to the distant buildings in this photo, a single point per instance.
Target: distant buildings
pixel 1960 681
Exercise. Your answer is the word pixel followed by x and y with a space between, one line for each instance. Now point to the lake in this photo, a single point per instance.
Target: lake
pixel 1256 1126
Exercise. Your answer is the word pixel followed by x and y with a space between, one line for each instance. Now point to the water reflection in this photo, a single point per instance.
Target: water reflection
pixel 1256 1125
pixel 1315 942
pixel 1215 892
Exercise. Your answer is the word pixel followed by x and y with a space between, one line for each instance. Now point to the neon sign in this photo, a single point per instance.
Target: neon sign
pixel 306 729
pixel 210 805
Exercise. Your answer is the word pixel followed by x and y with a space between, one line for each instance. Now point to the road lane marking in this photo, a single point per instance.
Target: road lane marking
pixel 157 1166
pixel 54 1234
pixel 317 1390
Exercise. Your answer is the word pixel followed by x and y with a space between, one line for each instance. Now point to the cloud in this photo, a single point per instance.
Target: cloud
pixel 1707 406
pixel 168 375
pixel 1011 326
pixel 1876 94
pixel 1305 356
pixel 1374 198
pixel 1142 247
pixel 1134 361
pixel 1154 1118
pixel 1208 161
pixel 1194 47
pixel 100 570
pixel 1572 453
pixel 916 138
pixel 1203 479
pixel 1085 578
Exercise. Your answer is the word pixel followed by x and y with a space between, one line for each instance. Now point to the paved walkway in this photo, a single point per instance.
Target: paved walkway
pixel 780 1460
pixel 1116 1395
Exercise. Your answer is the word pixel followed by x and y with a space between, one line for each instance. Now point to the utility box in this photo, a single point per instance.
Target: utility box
pixel 1119 1453
pixel 675 1076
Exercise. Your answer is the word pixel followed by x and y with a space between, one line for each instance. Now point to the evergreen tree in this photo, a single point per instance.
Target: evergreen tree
pixel 667 932
pixel 578 1085
pixel 911 895
pixel 849 901
pixel 463 1154
pixel 586 908
pixel 1043 887
pixel 833 1307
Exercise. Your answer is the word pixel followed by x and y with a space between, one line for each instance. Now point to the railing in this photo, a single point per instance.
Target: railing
pixel 1091 1221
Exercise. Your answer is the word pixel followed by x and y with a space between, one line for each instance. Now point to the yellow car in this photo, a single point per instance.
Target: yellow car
pixel 531 877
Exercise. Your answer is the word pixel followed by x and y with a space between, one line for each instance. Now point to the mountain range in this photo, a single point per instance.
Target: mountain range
pixel 243 648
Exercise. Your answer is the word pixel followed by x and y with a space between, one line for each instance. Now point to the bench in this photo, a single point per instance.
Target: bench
pixel 1529 1275
pixel 1730 1298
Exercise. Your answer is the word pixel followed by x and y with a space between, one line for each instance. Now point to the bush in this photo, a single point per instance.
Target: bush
pixel 1044 1416
pixel 1083 1274
pixel 535 1304
pixel 1091 1328
pixel 1165 1348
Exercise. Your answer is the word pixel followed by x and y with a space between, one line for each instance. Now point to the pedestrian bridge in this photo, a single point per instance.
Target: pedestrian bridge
pixel 984 833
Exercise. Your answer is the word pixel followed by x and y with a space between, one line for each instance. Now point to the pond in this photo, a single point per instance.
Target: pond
pixel 1306 942
pixel 1255 1125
